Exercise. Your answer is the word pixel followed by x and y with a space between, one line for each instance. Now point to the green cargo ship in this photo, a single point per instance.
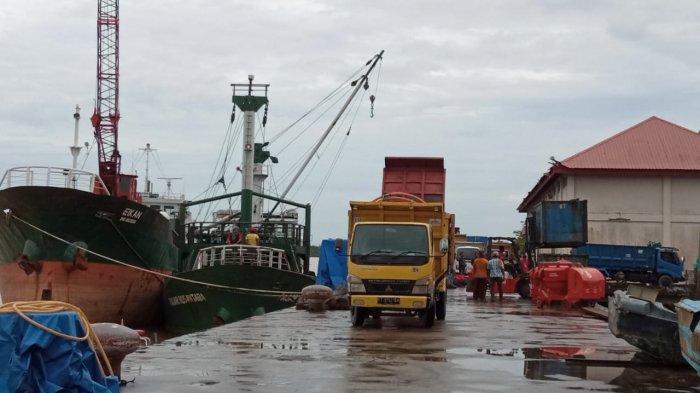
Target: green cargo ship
pixel 241 280
pixel 221 280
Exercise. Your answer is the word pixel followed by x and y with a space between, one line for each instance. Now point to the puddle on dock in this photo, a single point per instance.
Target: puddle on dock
pixel 509 346
pixel 623 368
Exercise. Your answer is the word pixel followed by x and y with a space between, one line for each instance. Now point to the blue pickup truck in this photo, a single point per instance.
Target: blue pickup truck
pixel 648 264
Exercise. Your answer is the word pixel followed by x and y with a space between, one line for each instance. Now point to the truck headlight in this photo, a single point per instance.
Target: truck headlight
pixel 422 286
pixel 355 285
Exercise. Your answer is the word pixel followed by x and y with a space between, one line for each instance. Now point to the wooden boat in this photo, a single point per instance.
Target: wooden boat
pixel 688 318
pixel 645 324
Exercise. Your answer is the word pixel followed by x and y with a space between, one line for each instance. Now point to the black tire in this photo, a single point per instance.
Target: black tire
pixel 665 281
pixel 441 306
pixel 427 316
pixel 358 316
pixel 523 288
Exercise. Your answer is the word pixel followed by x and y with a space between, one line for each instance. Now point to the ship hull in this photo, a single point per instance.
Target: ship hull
pixel 190 307
pixel 35 266
pixel 105 292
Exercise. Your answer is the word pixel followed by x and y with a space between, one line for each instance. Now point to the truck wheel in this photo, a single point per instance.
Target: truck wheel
pixel 441 306
pixel 665 281
pixel 427 317
pixel 523 288
pixel 358 315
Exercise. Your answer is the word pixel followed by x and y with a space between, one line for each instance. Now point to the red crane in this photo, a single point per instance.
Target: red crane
pixel 105 118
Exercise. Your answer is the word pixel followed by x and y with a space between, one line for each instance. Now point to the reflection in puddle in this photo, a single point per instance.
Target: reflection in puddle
pixel 300 344
pixel 624 368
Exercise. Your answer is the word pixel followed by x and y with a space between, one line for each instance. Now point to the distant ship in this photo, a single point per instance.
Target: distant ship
pixel 51 215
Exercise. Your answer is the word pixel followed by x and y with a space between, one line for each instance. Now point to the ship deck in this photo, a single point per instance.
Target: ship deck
pixel 509 346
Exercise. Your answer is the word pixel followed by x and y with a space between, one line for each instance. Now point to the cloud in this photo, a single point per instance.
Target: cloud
pixel 496 88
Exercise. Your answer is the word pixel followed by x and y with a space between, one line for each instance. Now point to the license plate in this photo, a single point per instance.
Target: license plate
pixel 389 300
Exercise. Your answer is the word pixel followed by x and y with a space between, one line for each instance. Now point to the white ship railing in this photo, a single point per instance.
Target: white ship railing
pixel 240 254
pixel 48 176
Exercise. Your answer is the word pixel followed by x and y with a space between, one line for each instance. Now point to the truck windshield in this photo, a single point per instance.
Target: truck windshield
pixel 670 257
pixel 392 244
pixel 467 253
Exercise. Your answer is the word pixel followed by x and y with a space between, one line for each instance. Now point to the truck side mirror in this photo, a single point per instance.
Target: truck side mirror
pixel 444 245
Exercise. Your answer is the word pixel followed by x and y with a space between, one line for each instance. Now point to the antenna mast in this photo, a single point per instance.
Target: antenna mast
pixel 75 149
pixel 169 185
pixel 147 185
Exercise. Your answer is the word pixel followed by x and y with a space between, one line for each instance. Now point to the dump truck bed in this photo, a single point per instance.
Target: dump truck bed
pixel 423 177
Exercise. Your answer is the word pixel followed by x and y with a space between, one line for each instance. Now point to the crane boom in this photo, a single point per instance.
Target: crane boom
pixel 105 118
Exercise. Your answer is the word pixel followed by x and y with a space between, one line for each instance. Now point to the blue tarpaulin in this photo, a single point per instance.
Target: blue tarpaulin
pixel 37 361
pixel 332 264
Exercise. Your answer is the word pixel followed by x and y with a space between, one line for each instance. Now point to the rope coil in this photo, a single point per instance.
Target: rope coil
pixel 21 308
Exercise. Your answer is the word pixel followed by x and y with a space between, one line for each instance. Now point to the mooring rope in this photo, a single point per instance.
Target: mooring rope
pixel 20 308
pixel 260 292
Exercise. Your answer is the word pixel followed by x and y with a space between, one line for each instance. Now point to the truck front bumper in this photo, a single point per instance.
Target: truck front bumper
pixel 389 302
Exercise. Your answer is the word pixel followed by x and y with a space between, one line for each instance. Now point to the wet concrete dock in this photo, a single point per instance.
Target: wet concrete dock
pixel 509 346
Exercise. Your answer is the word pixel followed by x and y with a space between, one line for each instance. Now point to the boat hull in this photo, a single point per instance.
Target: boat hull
pixel 190 307
pixel 105 292
pixel 645 325
pixel 34 265
pixel 689 331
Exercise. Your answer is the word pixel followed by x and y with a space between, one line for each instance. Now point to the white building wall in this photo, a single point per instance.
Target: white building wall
pixel 635 210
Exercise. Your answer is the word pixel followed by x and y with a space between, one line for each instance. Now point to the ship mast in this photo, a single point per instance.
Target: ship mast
pixel 147 186
pixel 169 185
pixel 75 149
pixel 249 98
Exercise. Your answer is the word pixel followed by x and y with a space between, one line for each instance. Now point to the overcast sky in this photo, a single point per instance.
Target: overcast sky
pixel 494 87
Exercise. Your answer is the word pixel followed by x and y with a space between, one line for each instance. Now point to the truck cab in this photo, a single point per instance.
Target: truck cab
pixel 399 268
pixel 668 263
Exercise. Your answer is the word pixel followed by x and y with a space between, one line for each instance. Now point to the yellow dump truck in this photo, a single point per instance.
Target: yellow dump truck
pixel 398 252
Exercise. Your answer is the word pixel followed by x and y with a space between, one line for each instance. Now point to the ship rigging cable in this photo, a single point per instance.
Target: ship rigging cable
pixel 372 97
pixel 327 177
pixel 331 106
pixel 231 137
pixel 327 146
pixel 260 292
pixel 320 103
pixel 299 161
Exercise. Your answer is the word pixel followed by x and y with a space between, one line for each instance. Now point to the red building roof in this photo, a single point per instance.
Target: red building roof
pixel 652 147
pixel 654 144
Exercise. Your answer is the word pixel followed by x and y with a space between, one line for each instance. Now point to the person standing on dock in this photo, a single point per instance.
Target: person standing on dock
pixel 480 276
pixel 496 269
